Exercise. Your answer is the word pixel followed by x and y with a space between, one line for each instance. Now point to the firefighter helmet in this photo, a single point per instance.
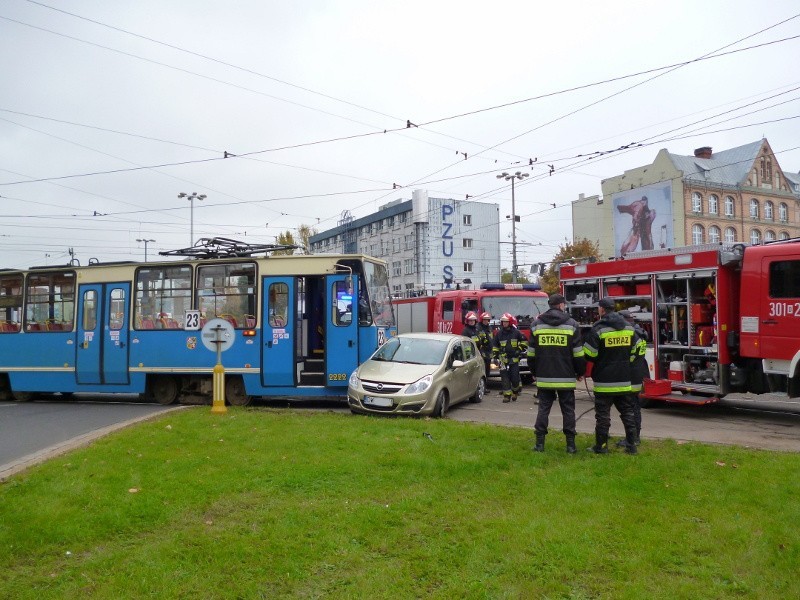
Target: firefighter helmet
pixel 485 316
pixel 507 317
pixel 471 316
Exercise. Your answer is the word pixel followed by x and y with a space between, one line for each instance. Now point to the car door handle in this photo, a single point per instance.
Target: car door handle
pixel 769 322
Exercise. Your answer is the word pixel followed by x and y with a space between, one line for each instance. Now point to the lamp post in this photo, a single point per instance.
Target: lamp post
pixel 191 198
pixel 145 246
pixel 512 178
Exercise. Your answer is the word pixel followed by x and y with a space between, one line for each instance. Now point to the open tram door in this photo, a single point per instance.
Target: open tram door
pixel 102 330
pixel 310 331
pixel 341 334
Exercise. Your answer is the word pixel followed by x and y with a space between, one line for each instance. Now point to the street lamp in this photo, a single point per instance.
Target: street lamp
pixel 145 246
pixel 191 198
pixel 514 219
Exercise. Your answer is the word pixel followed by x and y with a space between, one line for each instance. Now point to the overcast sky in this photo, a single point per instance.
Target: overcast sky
pixel 110 110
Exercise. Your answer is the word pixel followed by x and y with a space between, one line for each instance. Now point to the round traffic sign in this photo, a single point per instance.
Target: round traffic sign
pixel 218 332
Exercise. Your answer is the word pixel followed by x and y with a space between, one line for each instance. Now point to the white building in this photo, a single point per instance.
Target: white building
pixel 429 243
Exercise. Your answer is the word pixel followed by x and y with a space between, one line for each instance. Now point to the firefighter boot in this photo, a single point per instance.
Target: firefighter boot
pixel 539 447
pixel 630 441
pixel 600 443
pixel 571 449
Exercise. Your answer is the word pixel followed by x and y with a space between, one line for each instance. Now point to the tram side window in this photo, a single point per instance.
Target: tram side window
pixel 343 303
pixel 278 305
pixel 116 316
pixel 163 295
pixel 89 317
pixel 10 303
pixel 50 301
pixel 228 292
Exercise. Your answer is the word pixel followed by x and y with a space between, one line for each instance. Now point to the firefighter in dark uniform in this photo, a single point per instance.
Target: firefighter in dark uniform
pixel 485 333
pixel 556 358
pixel 639 372
pixel 611 345
pixel 509 345
pixel 471 327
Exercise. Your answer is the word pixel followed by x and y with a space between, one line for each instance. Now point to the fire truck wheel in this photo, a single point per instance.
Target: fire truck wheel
pixel 440 408
pixel 527 379
pixel 479 391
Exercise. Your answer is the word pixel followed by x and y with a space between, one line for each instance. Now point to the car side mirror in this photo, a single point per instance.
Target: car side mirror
pixel 458 363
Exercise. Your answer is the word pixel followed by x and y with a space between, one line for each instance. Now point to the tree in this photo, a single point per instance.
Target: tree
pixel 305 232
pixel 285 239
pixel 505 277
pixel 581 251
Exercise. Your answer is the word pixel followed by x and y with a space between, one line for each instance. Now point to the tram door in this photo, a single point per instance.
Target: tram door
pixel 278 359
pixel 102 329
pixel 341 334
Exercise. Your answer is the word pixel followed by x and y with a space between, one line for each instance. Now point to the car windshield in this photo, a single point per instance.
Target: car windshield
pixel 524 308
pixel 418 351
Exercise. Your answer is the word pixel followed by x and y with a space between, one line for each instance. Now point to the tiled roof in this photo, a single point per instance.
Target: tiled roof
pixel 727 167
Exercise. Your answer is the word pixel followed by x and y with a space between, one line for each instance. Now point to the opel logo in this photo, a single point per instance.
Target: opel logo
pixel 379 386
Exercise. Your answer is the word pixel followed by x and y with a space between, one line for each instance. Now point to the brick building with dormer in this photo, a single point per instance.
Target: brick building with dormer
pixel 737 195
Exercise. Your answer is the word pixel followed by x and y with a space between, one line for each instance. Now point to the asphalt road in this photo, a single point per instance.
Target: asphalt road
pixel 742 425
pixel 31 432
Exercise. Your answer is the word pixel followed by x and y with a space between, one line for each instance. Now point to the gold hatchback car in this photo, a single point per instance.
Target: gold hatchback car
pixel 418 374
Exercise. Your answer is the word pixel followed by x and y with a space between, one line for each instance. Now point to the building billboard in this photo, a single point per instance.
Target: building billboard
pixel 642 218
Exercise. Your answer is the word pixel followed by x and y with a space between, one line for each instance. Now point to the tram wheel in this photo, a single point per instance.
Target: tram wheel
pixel 165 390
pixel 235 393
pixel 22 396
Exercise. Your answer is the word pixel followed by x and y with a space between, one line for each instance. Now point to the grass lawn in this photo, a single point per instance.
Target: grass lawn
pixel 265 503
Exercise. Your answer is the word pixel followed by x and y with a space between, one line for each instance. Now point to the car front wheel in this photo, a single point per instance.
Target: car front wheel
pixel 479 391
pixel 440 408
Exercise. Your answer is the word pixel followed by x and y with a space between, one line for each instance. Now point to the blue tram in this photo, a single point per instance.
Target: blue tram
pixel 302 324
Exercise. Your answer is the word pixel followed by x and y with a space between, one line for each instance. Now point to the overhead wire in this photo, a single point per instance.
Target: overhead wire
pixel 456 115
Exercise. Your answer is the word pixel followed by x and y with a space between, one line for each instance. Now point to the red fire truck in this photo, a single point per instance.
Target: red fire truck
pixel 723 319
pixel 445 311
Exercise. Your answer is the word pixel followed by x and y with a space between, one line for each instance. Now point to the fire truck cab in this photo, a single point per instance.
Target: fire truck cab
pixel 445 311
pixel 722 319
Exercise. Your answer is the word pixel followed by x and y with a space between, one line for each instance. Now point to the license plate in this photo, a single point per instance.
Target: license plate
pixel 382 402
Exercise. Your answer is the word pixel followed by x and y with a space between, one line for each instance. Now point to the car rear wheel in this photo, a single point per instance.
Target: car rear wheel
pixel 440 408
pixel 479 391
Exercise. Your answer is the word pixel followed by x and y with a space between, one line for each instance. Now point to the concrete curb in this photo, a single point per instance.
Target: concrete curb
pixel 19 465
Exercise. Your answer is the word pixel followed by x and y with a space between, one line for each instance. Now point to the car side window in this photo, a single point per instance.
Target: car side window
pixel 469 350
pixel 458 354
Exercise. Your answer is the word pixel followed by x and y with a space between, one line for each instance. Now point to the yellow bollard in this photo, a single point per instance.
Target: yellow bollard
pixel 218 403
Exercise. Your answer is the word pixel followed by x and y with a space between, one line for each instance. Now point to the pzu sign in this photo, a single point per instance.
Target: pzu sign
pixel 447 243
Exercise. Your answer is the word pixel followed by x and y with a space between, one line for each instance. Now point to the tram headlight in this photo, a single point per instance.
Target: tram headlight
pixel 354 382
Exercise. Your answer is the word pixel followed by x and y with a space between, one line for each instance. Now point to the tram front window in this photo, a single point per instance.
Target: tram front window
pixel 376 306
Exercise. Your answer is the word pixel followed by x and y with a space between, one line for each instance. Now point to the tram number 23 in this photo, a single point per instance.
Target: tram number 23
pixel 337 376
